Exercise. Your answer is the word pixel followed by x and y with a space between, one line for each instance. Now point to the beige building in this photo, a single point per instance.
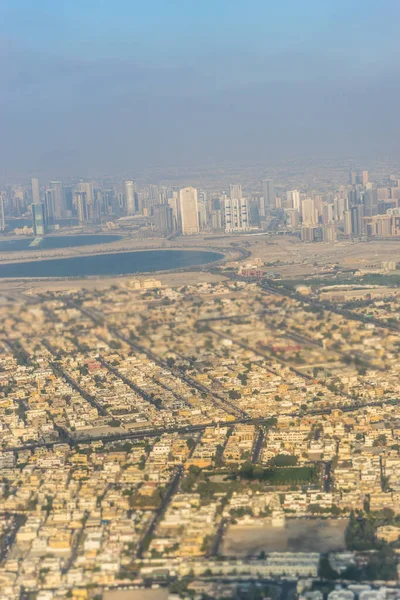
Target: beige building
pixel 189 211
pixel 309 212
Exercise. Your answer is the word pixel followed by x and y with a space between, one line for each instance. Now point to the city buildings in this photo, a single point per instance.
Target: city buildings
pixel 122 452
pixel 236 214
pixel 189 211
pixel 309 212
pixel 163 218
pixel 38 219
pixel 360 208
pixel 35 190
pixel 2 212
pixel 293 199
pixel 268 196
pixel 57 198
pixel 130 197
pixel 80 201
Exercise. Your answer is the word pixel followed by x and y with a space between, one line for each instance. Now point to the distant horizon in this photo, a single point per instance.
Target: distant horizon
pixel 104 88
pixel 160 174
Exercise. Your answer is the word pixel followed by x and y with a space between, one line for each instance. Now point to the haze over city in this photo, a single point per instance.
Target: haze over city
pixel 199 300
pixel 94 88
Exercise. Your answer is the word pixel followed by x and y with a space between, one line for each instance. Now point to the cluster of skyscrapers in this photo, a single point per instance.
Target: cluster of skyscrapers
pixel 355 209
pixel 168 210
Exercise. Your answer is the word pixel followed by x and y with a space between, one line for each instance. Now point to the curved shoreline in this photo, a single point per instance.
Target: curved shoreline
pixel 181 255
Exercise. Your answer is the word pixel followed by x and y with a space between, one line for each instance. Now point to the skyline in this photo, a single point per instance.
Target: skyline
pixel 91 89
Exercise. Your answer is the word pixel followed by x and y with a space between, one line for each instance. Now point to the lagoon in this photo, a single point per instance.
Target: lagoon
pixel 122 263
pixel 55 242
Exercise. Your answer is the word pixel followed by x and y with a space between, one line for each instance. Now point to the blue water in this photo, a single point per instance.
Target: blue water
pixel 12 223
pixel 124 263
pixel 55 242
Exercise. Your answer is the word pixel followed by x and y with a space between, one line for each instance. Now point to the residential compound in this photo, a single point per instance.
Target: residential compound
pixel 144 429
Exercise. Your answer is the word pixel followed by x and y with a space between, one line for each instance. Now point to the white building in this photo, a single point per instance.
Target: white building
pixel 293 199
pixel 130 197
pixel 236 213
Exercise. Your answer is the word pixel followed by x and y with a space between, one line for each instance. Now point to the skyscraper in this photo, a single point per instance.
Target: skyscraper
pixel 293 199
pixel 353 176
pixel 163 218
pixel 189 211
pixel 80 201
pixel 327 213
pixel 340 205
pixel 56 186
pixel 354 221
pixel 49 207
pixel 236 212
pixel 268 195
pixel 88 188
pixel 354 196
pixel 38 219
pixel 35 190
pixel 130 197
pixel 2 216
pixel 364 178
pixel 68 199
pixel 292 217
pixel 235 191
pixel 153 197
pixel 309 212
pixel 173 202
pixel 370 202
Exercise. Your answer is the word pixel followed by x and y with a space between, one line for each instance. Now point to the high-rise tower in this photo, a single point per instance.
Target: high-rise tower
pixel 189 211
pixel 130 197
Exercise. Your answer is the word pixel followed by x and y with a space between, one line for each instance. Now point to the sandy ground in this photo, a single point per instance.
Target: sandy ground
pixel 167 279
pixel 136 595
pixel 298 535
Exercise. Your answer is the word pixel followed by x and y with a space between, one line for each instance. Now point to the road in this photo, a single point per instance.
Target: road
pixel 148 433
pixel 158 515
pixel 326 474
pixel 77 542
pixel 283 363
pixel 218 538
pixel 128 382
pixel 8 538
pixel 217 399
pixel 348 314
pixel 58 370
pixel 255 453
pixel 295 336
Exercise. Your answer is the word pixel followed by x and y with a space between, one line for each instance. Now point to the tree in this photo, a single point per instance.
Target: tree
pixel 380 441
pixel 246 471
pixel 284 460
pixel 194 470
pixel 315 508
pixel 190 442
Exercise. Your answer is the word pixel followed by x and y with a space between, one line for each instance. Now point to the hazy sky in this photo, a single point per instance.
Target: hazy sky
pixel 101 86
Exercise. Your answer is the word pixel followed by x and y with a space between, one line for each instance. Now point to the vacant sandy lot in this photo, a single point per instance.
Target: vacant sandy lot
pixel 298 535
pixel 136 595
